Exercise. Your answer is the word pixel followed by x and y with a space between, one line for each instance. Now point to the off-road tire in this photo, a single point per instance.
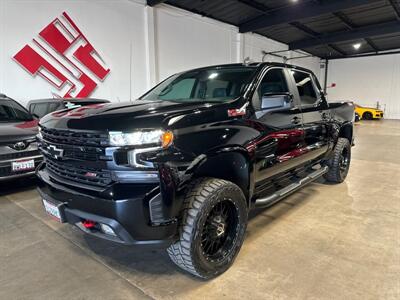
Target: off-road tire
pixel 335 173
pixel 201 198
pixel 367 116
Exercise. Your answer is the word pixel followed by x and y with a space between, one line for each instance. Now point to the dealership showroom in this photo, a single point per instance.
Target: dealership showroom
pixel 200 149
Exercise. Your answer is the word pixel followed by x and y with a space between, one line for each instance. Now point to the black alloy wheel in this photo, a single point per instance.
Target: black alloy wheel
pixel 344 162
pixel 339 162
pixel 219 231
pixel 212 227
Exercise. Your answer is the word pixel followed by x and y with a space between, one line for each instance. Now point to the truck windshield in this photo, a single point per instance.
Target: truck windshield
pixel 11 111
pixel 205 85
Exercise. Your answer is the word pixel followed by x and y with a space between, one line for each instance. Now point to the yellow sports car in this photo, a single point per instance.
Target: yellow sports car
pixel 367 113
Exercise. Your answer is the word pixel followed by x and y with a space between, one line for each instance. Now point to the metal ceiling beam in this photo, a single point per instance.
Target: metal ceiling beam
pixel 345 20
pixel 358 33
pixel 300 11
pixel 155 2
pixel 372 45
pixel 338 50
pixel 367 55
pixel 255 5
pixel 396 8
pixel 350 25
pixel 314 34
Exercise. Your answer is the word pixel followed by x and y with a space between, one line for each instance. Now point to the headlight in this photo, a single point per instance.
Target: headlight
pixel 151 137
pixel 39 135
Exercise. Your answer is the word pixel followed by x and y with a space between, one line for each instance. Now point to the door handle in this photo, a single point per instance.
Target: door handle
pixel 295 120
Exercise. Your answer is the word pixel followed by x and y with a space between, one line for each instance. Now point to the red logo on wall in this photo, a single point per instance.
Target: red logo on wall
pixel 65 58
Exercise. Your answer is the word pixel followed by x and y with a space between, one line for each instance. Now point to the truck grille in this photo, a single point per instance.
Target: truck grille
pixel 80 174
pixel 17 155
pixel 78 152
pixel 74 137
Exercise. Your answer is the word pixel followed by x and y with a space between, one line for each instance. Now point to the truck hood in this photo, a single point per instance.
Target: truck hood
pixel 17 131
pixel 139 114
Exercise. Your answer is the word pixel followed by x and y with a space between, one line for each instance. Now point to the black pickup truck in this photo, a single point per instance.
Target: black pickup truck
pixel 182 166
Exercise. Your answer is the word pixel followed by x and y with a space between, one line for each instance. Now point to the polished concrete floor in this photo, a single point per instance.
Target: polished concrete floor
pixel 324 242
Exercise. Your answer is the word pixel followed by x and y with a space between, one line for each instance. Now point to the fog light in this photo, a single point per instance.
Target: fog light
pixel 107 229
pixel 88 224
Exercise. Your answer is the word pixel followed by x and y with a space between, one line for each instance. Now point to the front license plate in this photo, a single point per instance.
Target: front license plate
pixel 52 210
pixel 23 165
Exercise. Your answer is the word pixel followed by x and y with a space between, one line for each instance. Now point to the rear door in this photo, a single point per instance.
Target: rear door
pixel 313 107
pixel 277 114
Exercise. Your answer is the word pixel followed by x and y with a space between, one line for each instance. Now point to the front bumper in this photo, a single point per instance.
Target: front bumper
pixel 129 218
pixel 6 172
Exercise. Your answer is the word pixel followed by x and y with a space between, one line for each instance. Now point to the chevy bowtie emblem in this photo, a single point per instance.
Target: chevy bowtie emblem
pixel 20 146
pixel 55 152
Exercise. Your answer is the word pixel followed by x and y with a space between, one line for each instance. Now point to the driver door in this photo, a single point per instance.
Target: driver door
pixel 279 147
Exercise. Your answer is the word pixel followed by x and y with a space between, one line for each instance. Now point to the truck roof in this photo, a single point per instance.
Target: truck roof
pixel 254 65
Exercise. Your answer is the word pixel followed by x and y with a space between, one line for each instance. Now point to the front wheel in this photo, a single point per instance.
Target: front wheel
pixel 212 228
pixel 339 163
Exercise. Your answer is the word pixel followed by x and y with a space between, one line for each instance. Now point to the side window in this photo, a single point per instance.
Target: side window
pixel 305 86
pixel 40 109
pixel 271 91
pixel 54 106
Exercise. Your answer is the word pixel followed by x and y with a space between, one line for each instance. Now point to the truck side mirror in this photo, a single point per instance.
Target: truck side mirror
pixel 276 100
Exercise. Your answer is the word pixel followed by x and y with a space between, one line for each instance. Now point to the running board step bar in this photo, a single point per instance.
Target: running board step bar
pixel 282 193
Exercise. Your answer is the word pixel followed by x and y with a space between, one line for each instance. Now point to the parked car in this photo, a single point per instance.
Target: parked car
pixel 182 166
pixel 368 113
pixel 19 154
pixel 42 107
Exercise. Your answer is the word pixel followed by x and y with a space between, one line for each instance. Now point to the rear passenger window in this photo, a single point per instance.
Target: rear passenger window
pixel 305 86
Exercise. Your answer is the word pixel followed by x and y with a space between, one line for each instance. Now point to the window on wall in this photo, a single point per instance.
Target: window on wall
pixel 306 88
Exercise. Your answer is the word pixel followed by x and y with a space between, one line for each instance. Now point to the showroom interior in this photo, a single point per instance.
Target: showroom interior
pixel 110 189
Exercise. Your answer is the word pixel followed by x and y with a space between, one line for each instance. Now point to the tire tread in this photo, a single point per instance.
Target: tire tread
pixel 198 192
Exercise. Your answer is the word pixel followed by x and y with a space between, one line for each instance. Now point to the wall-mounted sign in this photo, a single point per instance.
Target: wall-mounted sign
pixel 64 57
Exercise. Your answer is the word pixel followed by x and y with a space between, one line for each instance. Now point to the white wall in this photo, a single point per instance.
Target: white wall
pixel 186 41
pixel 110 27
pixel 141 45
pixel 367 80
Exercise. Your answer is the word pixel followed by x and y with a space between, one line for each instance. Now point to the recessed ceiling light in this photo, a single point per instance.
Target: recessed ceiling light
pixel 357 46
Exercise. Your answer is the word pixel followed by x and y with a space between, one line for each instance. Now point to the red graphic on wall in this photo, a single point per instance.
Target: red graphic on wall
pixel 65 58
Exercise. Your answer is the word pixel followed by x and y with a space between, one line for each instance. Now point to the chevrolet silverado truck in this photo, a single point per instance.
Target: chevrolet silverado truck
pixel 19 153
pixel 182 166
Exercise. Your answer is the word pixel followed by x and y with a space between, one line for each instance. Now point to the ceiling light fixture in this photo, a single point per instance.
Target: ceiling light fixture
pixel 357 46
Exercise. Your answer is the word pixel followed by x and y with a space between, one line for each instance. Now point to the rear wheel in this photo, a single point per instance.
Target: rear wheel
pixel 212 228
pixel 339 163
pixel 367 116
